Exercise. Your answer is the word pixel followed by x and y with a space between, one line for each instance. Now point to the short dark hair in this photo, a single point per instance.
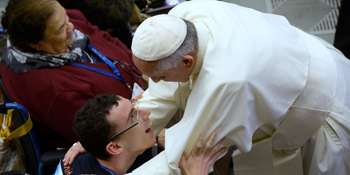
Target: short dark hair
pixel 92 127
pixel 25 21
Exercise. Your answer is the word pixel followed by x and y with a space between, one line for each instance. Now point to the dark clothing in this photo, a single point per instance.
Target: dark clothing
pixel 106 14
pixel 84 164
pixel 342 34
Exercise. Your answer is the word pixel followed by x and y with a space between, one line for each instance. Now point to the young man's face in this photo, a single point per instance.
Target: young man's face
pixel 138 138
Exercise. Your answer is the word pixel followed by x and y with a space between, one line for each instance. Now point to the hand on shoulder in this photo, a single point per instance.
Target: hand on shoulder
pixel 72 153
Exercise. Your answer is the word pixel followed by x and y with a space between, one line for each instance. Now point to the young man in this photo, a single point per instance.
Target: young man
pixel 114 131
pixel 277 93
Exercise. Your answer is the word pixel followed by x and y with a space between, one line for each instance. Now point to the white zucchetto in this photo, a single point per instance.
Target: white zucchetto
pixel 158 37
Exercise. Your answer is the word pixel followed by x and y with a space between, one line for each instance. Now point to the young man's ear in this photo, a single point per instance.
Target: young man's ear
pixel 35 46
pixel 114 148
pixel 188 61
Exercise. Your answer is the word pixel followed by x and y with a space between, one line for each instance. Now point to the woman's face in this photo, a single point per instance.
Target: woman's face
pixel 58 35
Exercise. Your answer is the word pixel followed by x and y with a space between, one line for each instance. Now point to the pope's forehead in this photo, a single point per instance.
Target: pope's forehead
pixel 149 68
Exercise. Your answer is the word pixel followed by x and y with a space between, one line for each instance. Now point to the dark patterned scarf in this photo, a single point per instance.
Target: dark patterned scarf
pixel 21 62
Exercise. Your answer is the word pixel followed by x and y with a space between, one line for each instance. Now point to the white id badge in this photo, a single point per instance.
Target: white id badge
pixel 136 90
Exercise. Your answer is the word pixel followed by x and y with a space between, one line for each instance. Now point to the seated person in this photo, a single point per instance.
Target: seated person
pixel 37 68
pixel 114 131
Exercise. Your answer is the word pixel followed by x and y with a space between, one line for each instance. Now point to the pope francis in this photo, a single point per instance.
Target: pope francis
pixel 280 95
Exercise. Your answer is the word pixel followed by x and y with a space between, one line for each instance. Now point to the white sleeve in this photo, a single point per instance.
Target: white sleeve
pixel 159 99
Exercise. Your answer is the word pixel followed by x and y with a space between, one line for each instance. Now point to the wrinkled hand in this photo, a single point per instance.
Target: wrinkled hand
pixel 72 153
pixel 161 139
pixel 201 157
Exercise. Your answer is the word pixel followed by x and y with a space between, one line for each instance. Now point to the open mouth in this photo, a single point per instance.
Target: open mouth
pixel 149 128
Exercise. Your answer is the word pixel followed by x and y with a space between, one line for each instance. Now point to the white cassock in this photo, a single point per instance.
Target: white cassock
pixel 280 95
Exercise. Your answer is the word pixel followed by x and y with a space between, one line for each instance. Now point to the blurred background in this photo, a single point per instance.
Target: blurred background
pixel 318 17
pixel 3 4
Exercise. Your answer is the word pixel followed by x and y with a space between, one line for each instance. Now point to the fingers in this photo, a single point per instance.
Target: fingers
pixel 210 141
pixel 73 156
pixel 199 144
pixel 212 152
pixel 161 138
pixel 183 158
pixel 68 157
pixel 182 163
pixel 219 153
pixel 208 148
pixel 208 145
pixel 217 146
pixel 137 97
pixel 202 156
pixel 72 153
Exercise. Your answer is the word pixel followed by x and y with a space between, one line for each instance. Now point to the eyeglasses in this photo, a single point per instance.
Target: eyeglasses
pixel 131 70
pixel 133 101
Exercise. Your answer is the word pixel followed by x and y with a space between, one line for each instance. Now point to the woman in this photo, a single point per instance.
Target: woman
pixel 39 69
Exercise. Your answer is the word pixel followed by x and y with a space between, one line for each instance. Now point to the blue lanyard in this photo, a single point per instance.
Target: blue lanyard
pixel 106 60
pixel 116 72
pixel 97 70
pixel 107 169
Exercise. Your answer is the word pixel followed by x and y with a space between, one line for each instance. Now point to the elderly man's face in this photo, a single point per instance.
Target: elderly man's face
pixel 179 74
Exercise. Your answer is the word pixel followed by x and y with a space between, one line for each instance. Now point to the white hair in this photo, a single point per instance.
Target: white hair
pixel 188 46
